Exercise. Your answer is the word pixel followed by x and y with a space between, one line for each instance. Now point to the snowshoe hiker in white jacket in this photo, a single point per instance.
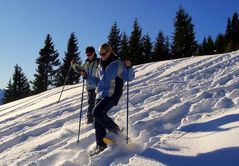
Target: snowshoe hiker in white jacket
pixel 88 71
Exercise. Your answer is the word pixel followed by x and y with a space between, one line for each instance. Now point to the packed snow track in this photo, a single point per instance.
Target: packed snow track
pixel 181 112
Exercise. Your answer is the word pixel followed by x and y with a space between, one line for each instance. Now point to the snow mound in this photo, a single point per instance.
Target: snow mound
pixel 182 112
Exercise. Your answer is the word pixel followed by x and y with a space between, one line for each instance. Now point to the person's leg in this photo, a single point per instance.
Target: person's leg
pixel 102 121
pixel 91 105
pixel 100 133
pixel 100 114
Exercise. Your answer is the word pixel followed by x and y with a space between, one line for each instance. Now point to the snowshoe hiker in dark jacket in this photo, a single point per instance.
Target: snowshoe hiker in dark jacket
pixel 88 71
pixel 111 75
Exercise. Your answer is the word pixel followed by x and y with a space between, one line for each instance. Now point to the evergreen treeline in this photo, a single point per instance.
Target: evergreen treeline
pixel 224 42
pixel 18 86
pixel 137 47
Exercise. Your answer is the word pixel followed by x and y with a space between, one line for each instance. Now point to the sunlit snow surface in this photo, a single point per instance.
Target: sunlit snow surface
pixel 182 112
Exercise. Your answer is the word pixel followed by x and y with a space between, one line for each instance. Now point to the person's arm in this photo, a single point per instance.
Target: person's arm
pixel 92 80
pixel 78 68
pixel 128 74
pixel 111 72
pixel 119 69
pixel 126 71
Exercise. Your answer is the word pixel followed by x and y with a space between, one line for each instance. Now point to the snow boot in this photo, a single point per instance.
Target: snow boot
pixel 98 150
pixel 116 135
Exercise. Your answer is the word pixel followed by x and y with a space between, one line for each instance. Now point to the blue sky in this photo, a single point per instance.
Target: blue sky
pixel 24 24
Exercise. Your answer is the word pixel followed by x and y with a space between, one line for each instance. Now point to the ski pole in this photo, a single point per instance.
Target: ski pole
pixel 127 111
pixel 68 73
pixel 82 95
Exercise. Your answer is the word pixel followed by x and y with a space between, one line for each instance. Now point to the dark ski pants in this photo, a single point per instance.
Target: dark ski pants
pixel 102 120
pixel 91 103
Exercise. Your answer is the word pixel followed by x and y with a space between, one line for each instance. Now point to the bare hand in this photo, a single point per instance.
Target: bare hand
pixel 72 61
pixel 83 74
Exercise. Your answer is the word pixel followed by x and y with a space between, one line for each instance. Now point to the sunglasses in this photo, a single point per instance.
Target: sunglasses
pixel 89 54
pixel 103 53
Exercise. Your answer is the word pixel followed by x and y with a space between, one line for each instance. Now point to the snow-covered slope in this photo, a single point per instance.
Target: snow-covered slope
pixel 182 112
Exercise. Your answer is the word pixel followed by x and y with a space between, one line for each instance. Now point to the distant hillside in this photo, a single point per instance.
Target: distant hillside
pixel 1 96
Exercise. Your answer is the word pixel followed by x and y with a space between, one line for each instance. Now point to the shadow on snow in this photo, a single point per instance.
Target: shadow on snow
pixel 221 157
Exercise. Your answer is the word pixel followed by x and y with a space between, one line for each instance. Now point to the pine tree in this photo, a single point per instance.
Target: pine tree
pixel 228 36
pixel 70 54
pixel 167 49
pixel 124 47
pixel 8 93
pixel 39 84
pixel 161 48
pixel 48 66
pixel 202 48
pixel 220 44
pixel 20 87
pixel 114 38
pixel 228 33
pixel 235 32
pixel 135 43
pixel 184 43
pixel 210 46
pixel 232 33
pixel 147 49
pixel 207 46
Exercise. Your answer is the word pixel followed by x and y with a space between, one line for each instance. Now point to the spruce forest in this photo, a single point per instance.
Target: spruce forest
pixel 140 48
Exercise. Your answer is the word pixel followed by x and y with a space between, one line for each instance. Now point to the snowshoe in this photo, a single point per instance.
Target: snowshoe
pixel 109 141
pixel 115 136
